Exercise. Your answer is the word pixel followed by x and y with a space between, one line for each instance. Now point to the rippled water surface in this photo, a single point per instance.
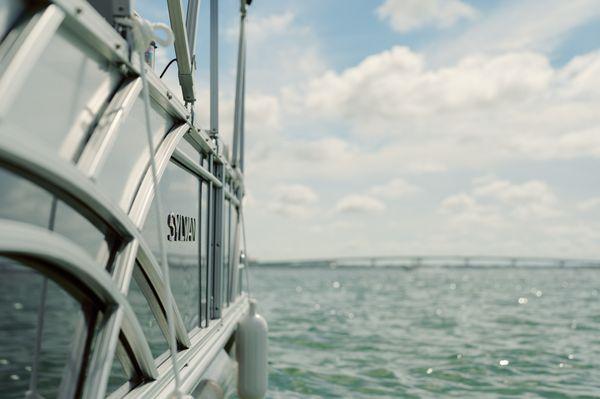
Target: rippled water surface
pixel 431 333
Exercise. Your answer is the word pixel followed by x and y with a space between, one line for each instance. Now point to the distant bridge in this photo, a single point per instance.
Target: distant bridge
pixel 416 261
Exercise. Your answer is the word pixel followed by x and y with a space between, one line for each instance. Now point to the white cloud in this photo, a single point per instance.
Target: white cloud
pixel 296 194
pixel 589 204
pixel 293 200
pixel 404 113
pixel 396 83
pixel 483 109
pixel 261 28
pixel 529 199
pixel 464 210
pixel 530 25
pixel 359 204
pixel 281 51
pixel 496 202
pixel 406 15
pixel 262 114
pixel 396 188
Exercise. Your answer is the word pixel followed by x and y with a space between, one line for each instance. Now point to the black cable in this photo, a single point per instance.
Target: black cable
pixel 167 67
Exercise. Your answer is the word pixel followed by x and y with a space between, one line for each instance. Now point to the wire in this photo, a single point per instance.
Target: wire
pixel 143 34
pixel 158 212
pixel 167 67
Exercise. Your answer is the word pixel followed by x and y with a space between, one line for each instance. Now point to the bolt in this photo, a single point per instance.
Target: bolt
pixel 169 95
pixel 78 10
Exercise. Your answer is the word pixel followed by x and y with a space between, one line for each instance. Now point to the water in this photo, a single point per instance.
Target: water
pixel 373 333
pixel 431 333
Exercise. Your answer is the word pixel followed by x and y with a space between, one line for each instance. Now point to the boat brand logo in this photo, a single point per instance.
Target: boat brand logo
pixel 181 228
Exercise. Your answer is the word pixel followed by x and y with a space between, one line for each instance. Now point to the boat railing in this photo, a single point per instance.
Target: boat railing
pixel 74 170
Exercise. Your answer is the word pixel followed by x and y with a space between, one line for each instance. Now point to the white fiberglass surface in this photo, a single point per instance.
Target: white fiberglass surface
pixel 61 96
pixel 9 12
pixel 129 155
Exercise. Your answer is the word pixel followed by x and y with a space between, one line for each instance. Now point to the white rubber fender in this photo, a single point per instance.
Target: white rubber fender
pixel 251 352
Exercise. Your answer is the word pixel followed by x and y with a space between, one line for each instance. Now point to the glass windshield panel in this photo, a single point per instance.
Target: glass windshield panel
pixel 23 201
pixel 129 156
pixel 156 339
pixel 65 90
pixel 117 376
pixel 20 299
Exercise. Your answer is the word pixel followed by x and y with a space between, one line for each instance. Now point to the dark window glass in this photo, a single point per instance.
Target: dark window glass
pixel 23 201
pixel 79 230
pixel 20 300
pixel 215 300
pixel 137 299
pixel 234 256
pixel 117 376
pixel 226 250
pixel 204 246
pixel 180 193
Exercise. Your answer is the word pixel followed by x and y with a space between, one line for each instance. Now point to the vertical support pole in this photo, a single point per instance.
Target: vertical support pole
pixel 191 23
pixel 242 113
pixel 202 239
pixel 218 171
pixel 214 67
pixel 218 243
pixel 240 75
pixel 210 197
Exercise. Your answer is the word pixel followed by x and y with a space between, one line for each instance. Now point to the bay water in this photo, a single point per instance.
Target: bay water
pixel 431 332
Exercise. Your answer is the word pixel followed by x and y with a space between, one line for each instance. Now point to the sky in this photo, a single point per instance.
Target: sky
pixel 414 127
